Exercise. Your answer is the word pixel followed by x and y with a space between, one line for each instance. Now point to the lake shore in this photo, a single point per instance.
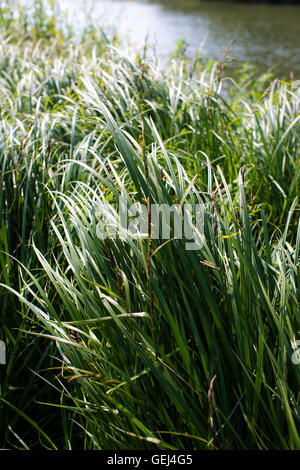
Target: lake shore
pixel 176 331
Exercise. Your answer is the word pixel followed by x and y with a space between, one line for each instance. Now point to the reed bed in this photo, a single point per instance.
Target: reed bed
pixel 139 343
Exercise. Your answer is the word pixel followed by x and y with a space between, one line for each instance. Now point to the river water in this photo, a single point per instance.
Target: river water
pixel 265 35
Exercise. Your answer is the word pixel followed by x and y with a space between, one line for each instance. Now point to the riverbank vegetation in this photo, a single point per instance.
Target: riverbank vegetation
pixel 137 343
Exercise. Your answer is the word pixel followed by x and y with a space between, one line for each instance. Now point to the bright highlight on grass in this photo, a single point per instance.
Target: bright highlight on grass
pixel 138 343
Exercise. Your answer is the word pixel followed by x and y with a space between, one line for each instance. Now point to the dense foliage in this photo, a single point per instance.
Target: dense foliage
pixel 140 343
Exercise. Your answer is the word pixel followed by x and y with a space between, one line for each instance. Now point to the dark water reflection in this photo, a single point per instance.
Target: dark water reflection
pixel 265 34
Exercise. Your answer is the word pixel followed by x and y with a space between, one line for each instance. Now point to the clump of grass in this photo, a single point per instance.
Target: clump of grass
pixel 139 343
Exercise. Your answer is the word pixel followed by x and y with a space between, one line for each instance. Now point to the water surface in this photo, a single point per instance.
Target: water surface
pixel 265 35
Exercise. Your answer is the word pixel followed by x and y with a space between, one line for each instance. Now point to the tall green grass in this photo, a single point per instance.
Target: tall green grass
pixel 137 343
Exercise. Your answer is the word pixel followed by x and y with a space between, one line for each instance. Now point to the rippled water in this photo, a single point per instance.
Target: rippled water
pixel 265 35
